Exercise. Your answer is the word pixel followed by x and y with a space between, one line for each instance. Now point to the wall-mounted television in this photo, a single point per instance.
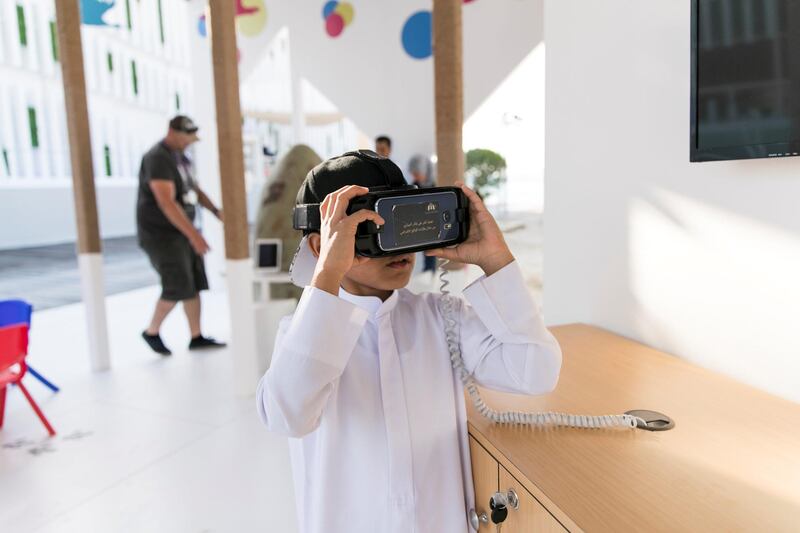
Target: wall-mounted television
pixel 745 94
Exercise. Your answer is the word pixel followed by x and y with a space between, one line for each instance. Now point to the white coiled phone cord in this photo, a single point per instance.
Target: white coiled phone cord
pixel 448 305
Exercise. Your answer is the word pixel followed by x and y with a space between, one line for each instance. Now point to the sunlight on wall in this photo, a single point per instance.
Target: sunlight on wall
pixel 711 283
pixel 511 122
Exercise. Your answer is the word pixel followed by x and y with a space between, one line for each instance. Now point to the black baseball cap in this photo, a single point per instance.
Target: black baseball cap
pixel 360 167
pixel 183 123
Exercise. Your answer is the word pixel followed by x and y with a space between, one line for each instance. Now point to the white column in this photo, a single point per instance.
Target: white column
pixel 237 242
pixel 93 295
pixel 90 259
pixel 246 366
pixel 206 152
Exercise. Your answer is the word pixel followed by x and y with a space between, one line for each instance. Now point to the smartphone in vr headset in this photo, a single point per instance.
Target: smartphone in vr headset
pixel 415 219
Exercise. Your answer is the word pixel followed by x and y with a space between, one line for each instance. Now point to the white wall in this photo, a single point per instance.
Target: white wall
pixel 511 122
pixel 701 260
pixel 368 76
pixel 45 214
pixel 36 188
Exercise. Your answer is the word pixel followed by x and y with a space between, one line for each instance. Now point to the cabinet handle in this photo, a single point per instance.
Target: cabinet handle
pixel 475 519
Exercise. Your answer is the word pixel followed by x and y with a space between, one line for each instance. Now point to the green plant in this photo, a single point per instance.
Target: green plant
pixel 485 171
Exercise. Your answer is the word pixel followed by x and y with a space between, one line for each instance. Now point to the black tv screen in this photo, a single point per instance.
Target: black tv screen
pixel 745 79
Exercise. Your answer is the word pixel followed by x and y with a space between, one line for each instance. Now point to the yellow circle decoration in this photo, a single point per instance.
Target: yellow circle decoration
pixel 345 10
pixel 253 18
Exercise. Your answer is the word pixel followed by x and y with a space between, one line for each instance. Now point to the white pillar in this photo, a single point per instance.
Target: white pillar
pixel 90 266
pixel 90 259
pixel 237 242
pixel 206 152
pixel 246 366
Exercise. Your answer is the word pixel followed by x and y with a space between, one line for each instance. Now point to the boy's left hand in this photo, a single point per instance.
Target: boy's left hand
pixel 485 245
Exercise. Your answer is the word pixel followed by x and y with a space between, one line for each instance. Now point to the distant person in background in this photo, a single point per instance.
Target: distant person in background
pixel 421 170
pixel 383 146
pixel 274 217
pixel 165 211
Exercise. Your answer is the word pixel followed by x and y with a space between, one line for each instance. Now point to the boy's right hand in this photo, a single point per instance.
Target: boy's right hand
pixel 338 237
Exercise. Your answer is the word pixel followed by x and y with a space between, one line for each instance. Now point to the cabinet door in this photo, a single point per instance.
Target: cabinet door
pixel 531 517
pixel 484 477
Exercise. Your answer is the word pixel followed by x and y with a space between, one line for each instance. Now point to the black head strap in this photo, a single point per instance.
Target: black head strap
pixel 306 217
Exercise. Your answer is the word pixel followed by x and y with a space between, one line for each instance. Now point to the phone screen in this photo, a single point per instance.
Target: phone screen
pixel 416 223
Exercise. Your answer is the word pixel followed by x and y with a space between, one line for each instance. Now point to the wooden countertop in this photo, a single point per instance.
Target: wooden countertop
pixel 732 462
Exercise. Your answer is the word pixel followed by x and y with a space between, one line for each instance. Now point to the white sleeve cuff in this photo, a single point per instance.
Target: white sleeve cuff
pixel 325 327
pixel 503 303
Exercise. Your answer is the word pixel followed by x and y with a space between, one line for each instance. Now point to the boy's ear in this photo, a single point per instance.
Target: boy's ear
pixel 314 243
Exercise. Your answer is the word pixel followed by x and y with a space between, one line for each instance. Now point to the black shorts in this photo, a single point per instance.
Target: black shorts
pixel 182 271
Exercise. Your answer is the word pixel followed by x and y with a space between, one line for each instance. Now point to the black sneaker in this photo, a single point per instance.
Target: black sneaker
pixel 155 343
pixel 200 342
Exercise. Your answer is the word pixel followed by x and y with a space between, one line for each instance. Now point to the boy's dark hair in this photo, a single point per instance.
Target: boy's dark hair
pixel 383 139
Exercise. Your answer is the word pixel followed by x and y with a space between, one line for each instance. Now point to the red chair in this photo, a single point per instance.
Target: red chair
pixel 13 349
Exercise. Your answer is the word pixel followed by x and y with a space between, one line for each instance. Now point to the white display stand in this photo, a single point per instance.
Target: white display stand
pixel 268 313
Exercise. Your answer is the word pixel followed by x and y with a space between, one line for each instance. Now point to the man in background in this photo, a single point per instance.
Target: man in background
pixel 383 146
pixel 421 170
pixel 165 210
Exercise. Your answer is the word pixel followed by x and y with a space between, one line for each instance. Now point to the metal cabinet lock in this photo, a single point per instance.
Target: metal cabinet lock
pixel 499 504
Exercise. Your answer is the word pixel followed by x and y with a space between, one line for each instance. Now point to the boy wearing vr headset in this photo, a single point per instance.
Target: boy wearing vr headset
pixel 361 377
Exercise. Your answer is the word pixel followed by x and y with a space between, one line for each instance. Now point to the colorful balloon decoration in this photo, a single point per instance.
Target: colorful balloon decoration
pixel 251 18
pixel 242 9
pixel 416 35
pixel 201 26
pixel 337 16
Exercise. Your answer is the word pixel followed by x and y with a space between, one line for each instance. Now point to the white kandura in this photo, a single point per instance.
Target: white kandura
pixel 376 416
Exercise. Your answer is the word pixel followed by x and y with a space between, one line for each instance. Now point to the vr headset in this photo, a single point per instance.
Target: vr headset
pixel 416 219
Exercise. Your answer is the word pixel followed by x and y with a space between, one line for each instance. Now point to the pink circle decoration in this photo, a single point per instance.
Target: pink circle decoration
pixel 334 24
pixel 337 16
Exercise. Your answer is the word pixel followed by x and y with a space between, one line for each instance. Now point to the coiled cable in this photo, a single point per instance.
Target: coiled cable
pixel 448 308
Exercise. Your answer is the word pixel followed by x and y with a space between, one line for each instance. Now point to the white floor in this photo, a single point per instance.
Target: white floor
pixel 152 445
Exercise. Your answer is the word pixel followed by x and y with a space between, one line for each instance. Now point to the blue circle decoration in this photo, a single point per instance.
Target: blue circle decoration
pixel 328 8
pixel 201 26
pixel 417 35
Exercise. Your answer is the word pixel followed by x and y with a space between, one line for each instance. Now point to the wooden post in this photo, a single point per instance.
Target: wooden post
pixel 239 269
pixel 229 127
pixel 90 258
pixel 449 89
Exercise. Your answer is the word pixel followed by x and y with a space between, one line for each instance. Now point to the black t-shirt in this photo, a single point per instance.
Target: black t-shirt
pixel 161 163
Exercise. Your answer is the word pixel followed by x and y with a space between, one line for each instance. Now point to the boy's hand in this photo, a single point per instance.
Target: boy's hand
pixel 338 237
pixel 485 245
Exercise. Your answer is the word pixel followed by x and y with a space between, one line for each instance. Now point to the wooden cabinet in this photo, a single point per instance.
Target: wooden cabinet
pixel 531 517
pixel 731 462
pixel 489 477
pixel 485 478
